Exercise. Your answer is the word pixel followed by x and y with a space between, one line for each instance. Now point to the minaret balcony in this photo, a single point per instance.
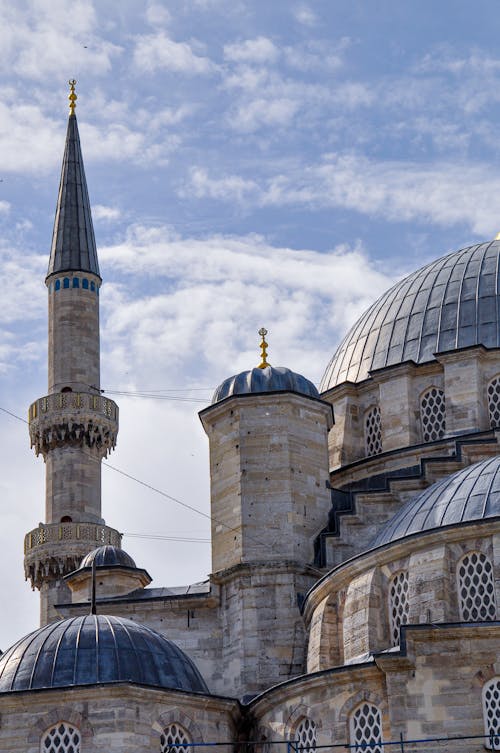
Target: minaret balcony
pixel 78 419
pixel 44 556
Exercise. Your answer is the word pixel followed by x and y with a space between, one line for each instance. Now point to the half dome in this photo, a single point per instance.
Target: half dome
pixel 471 494
pixel 452 303
pixel 96 649
pixel 270 379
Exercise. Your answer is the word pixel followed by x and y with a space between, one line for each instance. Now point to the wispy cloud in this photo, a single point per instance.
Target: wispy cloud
pixel 158 52
pixel 258 50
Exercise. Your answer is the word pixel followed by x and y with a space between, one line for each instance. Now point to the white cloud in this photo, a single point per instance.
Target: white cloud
pixel 42 39
pixel 305 15
pixel 226 287
pixel 108 214
pixel 4 207
pixel 158 52
pixel 258 50
pixel 227 188
pixel 157 15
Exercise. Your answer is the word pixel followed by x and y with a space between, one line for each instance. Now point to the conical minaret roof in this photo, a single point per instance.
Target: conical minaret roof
pixel 73 241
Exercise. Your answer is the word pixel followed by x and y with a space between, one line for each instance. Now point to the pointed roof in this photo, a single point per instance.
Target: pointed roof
pixel 73 241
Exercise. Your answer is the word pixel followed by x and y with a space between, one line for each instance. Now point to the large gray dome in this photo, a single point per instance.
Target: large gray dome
pixel 470 494
pixel 270 379
pixel 96 649
pixel 451 303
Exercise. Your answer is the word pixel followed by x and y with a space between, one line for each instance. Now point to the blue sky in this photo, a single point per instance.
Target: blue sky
pixel 249 163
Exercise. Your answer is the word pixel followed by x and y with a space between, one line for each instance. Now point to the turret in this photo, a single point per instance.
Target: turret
pixel 73 427
pixel 268 431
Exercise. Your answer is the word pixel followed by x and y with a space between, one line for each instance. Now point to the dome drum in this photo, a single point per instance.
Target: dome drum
pixel 417 403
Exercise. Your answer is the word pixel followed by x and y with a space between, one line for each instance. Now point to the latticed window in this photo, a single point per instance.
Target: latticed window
pixel 305 735
pixel 175 739
pixel 62 738
pixel 433 415
pixel 399 604
pixel 491 713
pixel 365 726
pixel 373 432
pixel 494 401
pixel 476 588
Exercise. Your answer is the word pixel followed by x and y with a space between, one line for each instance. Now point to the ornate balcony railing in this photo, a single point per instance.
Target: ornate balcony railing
pixel 73 418
pixel 44 557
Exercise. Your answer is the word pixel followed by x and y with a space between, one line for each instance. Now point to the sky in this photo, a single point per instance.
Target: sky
pixel 249 164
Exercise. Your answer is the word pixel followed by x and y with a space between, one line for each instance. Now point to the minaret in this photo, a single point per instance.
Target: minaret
pixel 74 426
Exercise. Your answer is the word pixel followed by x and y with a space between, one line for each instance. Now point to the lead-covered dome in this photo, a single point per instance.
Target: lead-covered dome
pixel 451 303
pixel 471 494
pixel 96 649
pixel 270 379
pixel 107 556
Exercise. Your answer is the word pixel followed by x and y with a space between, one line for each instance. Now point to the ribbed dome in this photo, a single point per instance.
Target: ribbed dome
pixel 270 379
pixel 107 556
pixel 470 494
pixel 451 303
pixel 96 649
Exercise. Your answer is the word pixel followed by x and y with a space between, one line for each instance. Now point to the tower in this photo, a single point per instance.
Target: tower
pixel 268 432
pixel 73 427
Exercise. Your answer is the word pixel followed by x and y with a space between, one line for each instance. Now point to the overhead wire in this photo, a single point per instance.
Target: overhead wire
pixel 146 485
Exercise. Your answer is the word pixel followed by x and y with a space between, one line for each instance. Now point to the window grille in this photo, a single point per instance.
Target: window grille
pixel 494 401
pixel 62 738
pixel 476 588
pixel 305 735
pixel 373 432
pixel 366 728
pixel 175 739
pixel 491 713
pixel 433 415
pixel 399 604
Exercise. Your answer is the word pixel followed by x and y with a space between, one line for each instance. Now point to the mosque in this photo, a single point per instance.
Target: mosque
pixel 355 584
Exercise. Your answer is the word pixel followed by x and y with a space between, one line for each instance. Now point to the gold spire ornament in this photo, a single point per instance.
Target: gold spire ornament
pixel 72 96
pixel 263 346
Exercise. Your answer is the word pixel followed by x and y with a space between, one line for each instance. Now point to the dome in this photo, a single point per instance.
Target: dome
pixel 96 649
pixel 468 495
pixel 107 556
pixel 451 303
pixel 270 379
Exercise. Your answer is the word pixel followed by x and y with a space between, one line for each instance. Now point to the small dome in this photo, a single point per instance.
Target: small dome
pixel 96 649
pixel 270 379
pixel 449 304
pixel 470 494
pixel 107 556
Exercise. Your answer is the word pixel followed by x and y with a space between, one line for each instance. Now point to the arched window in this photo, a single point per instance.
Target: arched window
pixel 175 739
pixel 494 402
pixel 85 283
pixel 373 431
pixel 66 282
pixel 365 728
pixel 399 604
pixel 476 588
pixel 433 414
pixel 61 738
pixel 57 286
pixel 305 735
pixel 491 713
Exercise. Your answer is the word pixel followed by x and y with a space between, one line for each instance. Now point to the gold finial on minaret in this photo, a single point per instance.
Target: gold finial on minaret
pixel 263 346
pixel 72 96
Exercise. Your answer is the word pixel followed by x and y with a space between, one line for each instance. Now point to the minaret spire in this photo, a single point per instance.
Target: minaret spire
pixel 73 240
pixel 73 427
